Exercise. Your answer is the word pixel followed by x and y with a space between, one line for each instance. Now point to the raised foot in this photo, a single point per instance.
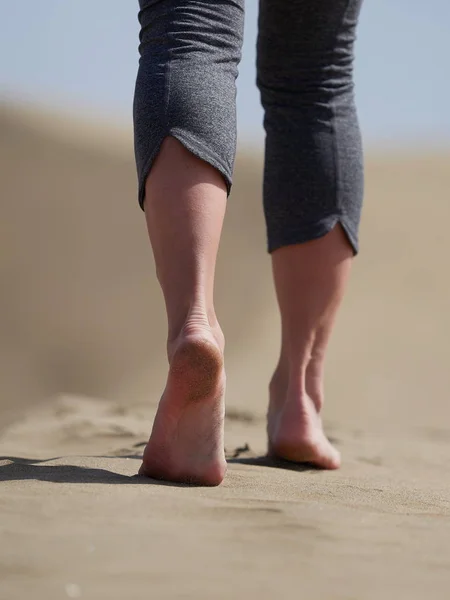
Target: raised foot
pixel 186 443
pixel 296 434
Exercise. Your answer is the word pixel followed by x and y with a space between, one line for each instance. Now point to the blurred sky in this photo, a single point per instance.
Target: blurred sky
pixel 82 54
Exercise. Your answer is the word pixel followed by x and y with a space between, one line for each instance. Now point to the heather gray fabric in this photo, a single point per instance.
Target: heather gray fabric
pixel 190 51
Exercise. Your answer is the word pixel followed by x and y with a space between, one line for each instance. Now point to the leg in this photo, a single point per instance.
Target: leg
pixel 184 209
pixel 312 199
pixel 185 133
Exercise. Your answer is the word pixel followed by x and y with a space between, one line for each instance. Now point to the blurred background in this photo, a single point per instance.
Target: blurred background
pixel 80 310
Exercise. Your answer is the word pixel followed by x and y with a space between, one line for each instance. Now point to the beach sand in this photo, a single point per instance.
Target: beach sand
pixel 82 364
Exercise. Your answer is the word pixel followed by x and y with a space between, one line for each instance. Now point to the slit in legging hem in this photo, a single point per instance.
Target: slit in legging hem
pixel 192 145
pixel 314 232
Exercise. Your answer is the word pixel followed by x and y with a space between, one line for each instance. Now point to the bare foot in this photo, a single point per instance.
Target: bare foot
pixel 295 430
pixel 186 443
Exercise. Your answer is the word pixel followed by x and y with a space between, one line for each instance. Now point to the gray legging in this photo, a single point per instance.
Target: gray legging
pixel 190 51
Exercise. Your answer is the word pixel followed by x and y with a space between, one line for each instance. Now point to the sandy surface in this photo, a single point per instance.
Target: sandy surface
pixel 82 364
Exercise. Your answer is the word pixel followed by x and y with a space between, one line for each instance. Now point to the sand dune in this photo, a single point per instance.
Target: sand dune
pixel 82 364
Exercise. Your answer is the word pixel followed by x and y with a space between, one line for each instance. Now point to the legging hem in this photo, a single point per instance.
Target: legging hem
pixel 193 146
pixel 314 232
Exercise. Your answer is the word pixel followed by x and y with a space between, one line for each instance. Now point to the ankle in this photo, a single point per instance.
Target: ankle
pixel 196 324
pixel 187 318
pixel 300 369
pixel 314 380
pixel 280 378
pixel 298 381
pixel 303 387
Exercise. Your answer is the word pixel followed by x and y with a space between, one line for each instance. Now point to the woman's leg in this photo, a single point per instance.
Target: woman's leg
pixel 185 133
pixel 313 190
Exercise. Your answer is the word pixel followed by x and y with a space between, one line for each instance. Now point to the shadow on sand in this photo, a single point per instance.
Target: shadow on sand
pixel 22 469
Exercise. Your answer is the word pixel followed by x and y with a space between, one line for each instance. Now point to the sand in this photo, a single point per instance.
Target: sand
pixel 82 365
